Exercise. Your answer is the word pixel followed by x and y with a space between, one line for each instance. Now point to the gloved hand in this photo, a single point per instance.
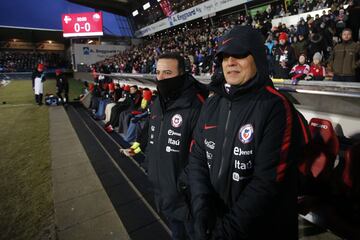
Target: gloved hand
pixel 204 223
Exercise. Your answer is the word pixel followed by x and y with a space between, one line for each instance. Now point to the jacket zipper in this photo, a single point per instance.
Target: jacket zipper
pixel 225 140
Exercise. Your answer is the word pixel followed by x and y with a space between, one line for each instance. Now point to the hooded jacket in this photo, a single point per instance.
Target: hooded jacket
pixel 242 165
pixel 170 132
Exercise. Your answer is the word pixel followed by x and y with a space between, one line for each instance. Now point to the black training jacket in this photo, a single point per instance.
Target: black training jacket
pixel 170 133
pixel 62 83
pixel 243 162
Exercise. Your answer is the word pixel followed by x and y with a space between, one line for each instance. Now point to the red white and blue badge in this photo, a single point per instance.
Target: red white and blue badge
pixel 176 120
pixel 246 133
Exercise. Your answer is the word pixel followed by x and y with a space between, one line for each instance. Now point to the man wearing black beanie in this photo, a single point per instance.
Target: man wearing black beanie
pixel 248 140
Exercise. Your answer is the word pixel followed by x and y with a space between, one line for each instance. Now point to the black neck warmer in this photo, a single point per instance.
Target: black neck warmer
pixel 170 88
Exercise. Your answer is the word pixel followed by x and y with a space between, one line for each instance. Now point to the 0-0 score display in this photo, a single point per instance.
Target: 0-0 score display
pixel 82 24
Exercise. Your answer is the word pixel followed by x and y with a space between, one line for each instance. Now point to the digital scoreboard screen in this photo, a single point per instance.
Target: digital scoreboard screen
pixel 82 24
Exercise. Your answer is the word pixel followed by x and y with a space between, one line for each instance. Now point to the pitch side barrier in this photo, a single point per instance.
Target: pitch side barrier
pixel 338 102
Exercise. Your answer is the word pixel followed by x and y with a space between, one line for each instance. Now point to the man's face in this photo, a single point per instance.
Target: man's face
pixel 132 90
pixel 166 68
pixel 346 36
pixel 238 71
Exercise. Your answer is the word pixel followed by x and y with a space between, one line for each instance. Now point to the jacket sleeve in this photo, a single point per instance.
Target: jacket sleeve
pixel 271 163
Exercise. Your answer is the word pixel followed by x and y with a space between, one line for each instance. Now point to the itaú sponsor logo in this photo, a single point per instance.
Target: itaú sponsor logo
pixel 173 142
pixel 169 149
pixel 173 133
pixel 209 144
pixel 239 152
pixel 319 125
pixel 243 165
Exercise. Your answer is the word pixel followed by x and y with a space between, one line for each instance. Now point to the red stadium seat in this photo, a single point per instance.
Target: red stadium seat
pixel 322 150
pixel 317 167
pixel 111 87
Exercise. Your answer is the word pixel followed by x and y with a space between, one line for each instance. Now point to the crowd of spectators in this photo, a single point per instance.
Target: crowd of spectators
pixel 155 12
pixel 198 42
pixel 13 61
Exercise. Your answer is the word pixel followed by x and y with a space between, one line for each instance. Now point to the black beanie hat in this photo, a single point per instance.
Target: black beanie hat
pixel 242 41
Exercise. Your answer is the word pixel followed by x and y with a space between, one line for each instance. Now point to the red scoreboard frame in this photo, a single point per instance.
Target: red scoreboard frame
pixel 82 24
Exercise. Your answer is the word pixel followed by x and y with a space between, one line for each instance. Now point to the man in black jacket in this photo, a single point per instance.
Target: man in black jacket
pixel 173 117
pixel 242 166
pixel 62 85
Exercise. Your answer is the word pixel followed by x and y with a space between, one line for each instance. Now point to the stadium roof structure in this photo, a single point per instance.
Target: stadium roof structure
pixel 30 34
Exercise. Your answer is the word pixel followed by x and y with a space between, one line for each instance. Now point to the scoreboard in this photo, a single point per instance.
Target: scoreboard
pixel 82 24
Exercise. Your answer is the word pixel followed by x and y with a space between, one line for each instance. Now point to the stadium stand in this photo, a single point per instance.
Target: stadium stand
pixel 198 41
pixel 13 61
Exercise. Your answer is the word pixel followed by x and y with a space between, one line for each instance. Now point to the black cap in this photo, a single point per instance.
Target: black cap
pixel 229 45
pixel 238 41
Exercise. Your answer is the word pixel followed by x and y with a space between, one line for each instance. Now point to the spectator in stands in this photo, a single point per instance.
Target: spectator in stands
pixel 341 19
pixel 316 43
pixel 284 58
pixel 300 70
pixel 300 46
pixel 173 118
pixel 62 85
pixel 345 58
pixel 38 79
pixel 243 163
pixel 317 71
pixel 302 28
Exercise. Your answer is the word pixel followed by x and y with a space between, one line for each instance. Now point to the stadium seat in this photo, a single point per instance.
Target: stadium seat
pixel 322 150
pixel 317 167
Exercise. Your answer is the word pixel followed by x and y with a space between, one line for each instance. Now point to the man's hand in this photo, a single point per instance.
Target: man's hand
pixel 127 152
pixel 132 151
pixel 204 224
